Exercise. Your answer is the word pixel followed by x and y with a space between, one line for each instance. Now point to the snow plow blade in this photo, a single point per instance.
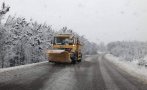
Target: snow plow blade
pixel 60 56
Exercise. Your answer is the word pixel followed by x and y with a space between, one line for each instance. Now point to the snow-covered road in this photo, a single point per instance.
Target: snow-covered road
pixel 93 73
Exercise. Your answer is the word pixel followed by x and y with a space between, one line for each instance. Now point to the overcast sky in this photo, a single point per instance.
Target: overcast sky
pixel 98 20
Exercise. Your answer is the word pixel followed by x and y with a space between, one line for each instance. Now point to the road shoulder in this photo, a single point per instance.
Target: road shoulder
pixel 140 74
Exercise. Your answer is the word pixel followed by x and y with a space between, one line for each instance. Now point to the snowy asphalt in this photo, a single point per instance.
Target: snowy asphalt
pixel 93 73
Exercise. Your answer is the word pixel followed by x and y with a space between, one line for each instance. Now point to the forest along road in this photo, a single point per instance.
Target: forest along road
pixel 93 73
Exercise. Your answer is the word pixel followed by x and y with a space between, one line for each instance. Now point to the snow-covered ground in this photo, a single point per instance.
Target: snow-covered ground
pixel 132 68
pixel 13 73
pixel 21 66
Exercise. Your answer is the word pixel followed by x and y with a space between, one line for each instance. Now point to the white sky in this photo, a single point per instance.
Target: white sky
pixel 98 20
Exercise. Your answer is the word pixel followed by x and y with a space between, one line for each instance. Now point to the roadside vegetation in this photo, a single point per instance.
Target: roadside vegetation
pixel 132 51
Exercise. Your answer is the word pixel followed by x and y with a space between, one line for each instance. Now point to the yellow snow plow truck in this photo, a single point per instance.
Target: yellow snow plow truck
pixel 66 48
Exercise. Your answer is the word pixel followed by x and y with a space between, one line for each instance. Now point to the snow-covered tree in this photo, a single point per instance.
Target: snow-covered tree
pixel 128 50
pixel 3 11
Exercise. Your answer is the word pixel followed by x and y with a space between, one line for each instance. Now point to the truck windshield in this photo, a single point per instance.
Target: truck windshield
pixel 62 41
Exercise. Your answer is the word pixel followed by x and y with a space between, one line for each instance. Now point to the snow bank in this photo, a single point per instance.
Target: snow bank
pixel 130 67
pixel 19 72
pixel 21 66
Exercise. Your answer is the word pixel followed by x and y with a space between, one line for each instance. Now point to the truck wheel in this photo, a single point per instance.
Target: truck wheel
pixel 74 60
pixel 79 60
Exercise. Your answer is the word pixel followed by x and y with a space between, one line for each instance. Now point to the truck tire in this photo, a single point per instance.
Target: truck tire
pixel 74 59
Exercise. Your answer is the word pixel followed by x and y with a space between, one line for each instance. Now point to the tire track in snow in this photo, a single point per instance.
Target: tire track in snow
pixel 110 84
